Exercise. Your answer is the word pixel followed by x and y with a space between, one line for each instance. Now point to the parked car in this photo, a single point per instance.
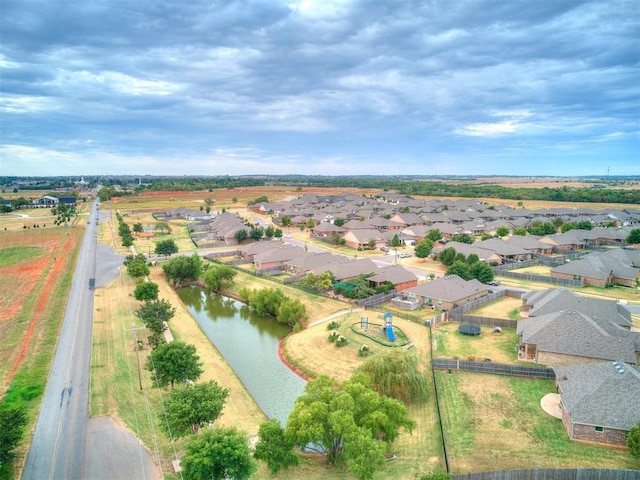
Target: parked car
pixel 384 249
pixel 493 283
pixel 404 255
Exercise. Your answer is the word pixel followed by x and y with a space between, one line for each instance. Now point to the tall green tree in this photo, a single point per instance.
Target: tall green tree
pixel 241 235
pixel 350 423
pixel 395 243
pixel 482 272
pixel 502 231
pixel 183 268
pixel 218 277
pixel 461 269
pixel 434 235
pixel 155 313
pixel 218 454
pixel 174 362
pixel 397 374
pixel 137 267
pixel 191 407
pixel 423 248
pixel 634 236
pixel 274 448
pixel 447 256
pixel 166 247
pixel 462 238
pixel 146 291
pixel 633 440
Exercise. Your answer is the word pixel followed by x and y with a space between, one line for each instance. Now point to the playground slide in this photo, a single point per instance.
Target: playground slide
pixel 390 335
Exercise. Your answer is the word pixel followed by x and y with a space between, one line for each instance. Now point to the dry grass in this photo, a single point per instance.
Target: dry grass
pixel 500 348
pixel 500 308
pixel 535 270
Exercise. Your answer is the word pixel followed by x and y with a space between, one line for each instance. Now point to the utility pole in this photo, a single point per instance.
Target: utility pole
pixel 135 334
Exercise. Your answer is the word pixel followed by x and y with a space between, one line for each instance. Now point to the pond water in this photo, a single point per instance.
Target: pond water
pixel 249 344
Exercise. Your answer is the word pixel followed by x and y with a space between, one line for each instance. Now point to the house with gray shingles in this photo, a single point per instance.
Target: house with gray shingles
pixel 398 276
pixel 348 269
pixel 384 225
pixel 326 229
pixel 224 228
pixel 274 260
pixel 252 249
pixel 310 261
pixel 619 266
pixel 407 219
pixel 543 302
pixel 530 243
pixel 360 238
pixel 506 251
pixel 592 271
pixel 569 337
pixel 600 402
pixel 566 241
pixel 447 292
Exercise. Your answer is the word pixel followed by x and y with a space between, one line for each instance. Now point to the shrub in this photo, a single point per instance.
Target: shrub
pixel 364 351
pixel 332 325
pixel 341 341
pixel 333 336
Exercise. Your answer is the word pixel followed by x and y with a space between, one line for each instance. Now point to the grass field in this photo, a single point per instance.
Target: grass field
pixel 36 267
pixel 496 423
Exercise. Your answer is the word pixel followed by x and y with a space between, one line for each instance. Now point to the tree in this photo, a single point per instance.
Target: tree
pixel 338 222
pixel 183 268
pixel 462 238
pixel 447 256
pixel 192 407
pixel 286 221
pixel 162 227
pixel 166 247
pixel 256 233
pixel 64 212
pixel 146 291
pixel 634 236
pixel 270 231
pixel 137 267
pixel 397 374
pixel 278 233
pixel 482 272
pixel 320 283
pixel 218 454
pixel 13 419
pixel 423 248
pixel 350 423
pixel 174 362
pixel 138 228
pixel 502 231
pixel 310 223
pixel 472 258
pixel 461 269
pixel 291 311
pixel 633 440
pixel 241 235
pixel 434 235
pixel 218 277
pixel 274 448
pixel 154 314
pixel 371 244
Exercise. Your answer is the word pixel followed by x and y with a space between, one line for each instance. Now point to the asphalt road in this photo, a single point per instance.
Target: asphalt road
pixel 57 448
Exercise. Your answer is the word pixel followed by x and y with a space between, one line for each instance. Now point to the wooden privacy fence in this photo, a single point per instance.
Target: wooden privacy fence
pixel 377 299
pixel 542 278
pixel 494 368
pixel 476 320
pixel 554 473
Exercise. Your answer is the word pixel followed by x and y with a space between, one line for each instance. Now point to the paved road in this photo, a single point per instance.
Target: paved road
pixel 57 449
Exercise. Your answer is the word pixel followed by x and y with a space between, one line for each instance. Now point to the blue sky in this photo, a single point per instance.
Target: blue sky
pixel 464 87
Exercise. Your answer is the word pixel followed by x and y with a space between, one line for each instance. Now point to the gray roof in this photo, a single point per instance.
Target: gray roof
pixel 574 333
pixel 310 261
pixel 349 268
pixel 451 288
pixel 259 247
pixel 552 300
pixel 501 247
pixel 395 274
pixel 591 267
pixel 598 394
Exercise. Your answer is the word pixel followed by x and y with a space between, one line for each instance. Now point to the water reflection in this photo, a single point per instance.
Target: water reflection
pixel 249 343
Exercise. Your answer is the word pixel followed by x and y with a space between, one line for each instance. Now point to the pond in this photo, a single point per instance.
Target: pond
pixel 249 344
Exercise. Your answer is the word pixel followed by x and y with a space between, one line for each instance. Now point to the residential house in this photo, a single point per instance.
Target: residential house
pixel 542 302
pixel 349 269
pixel 326 229
pixel 400 277
pixel 599 401
pixel 275 260
pixel 570 337
pixel 360 238
pixel 485 255
pixel 506 251
pixel 616 266
pixel 447 292
pixel 530 243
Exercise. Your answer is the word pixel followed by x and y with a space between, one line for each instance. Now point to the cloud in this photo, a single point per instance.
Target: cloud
pixel 318 85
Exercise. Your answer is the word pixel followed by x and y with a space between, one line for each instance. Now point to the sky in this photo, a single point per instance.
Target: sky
pixel 320 87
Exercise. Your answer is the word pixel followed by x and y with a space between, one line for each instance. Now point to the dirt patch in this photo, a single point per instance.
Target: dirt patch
pixel 26 296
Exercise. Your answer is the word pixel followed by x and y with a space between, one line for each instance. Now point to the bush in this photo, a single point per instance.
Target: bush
pixel 364 351
pixel 341 341
pixel 333 336
pixel 332 325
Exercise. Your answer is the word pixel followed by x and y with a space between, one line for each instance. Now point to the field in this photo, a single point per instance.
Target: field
pixel 36 267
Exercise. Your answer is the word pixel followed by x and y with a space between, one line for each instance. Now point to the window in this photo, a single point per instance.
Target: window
pixel 599 429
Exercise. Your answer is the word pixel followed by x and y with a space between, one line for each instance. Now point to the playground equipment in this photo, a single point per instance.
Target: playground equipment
pixel 388 327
